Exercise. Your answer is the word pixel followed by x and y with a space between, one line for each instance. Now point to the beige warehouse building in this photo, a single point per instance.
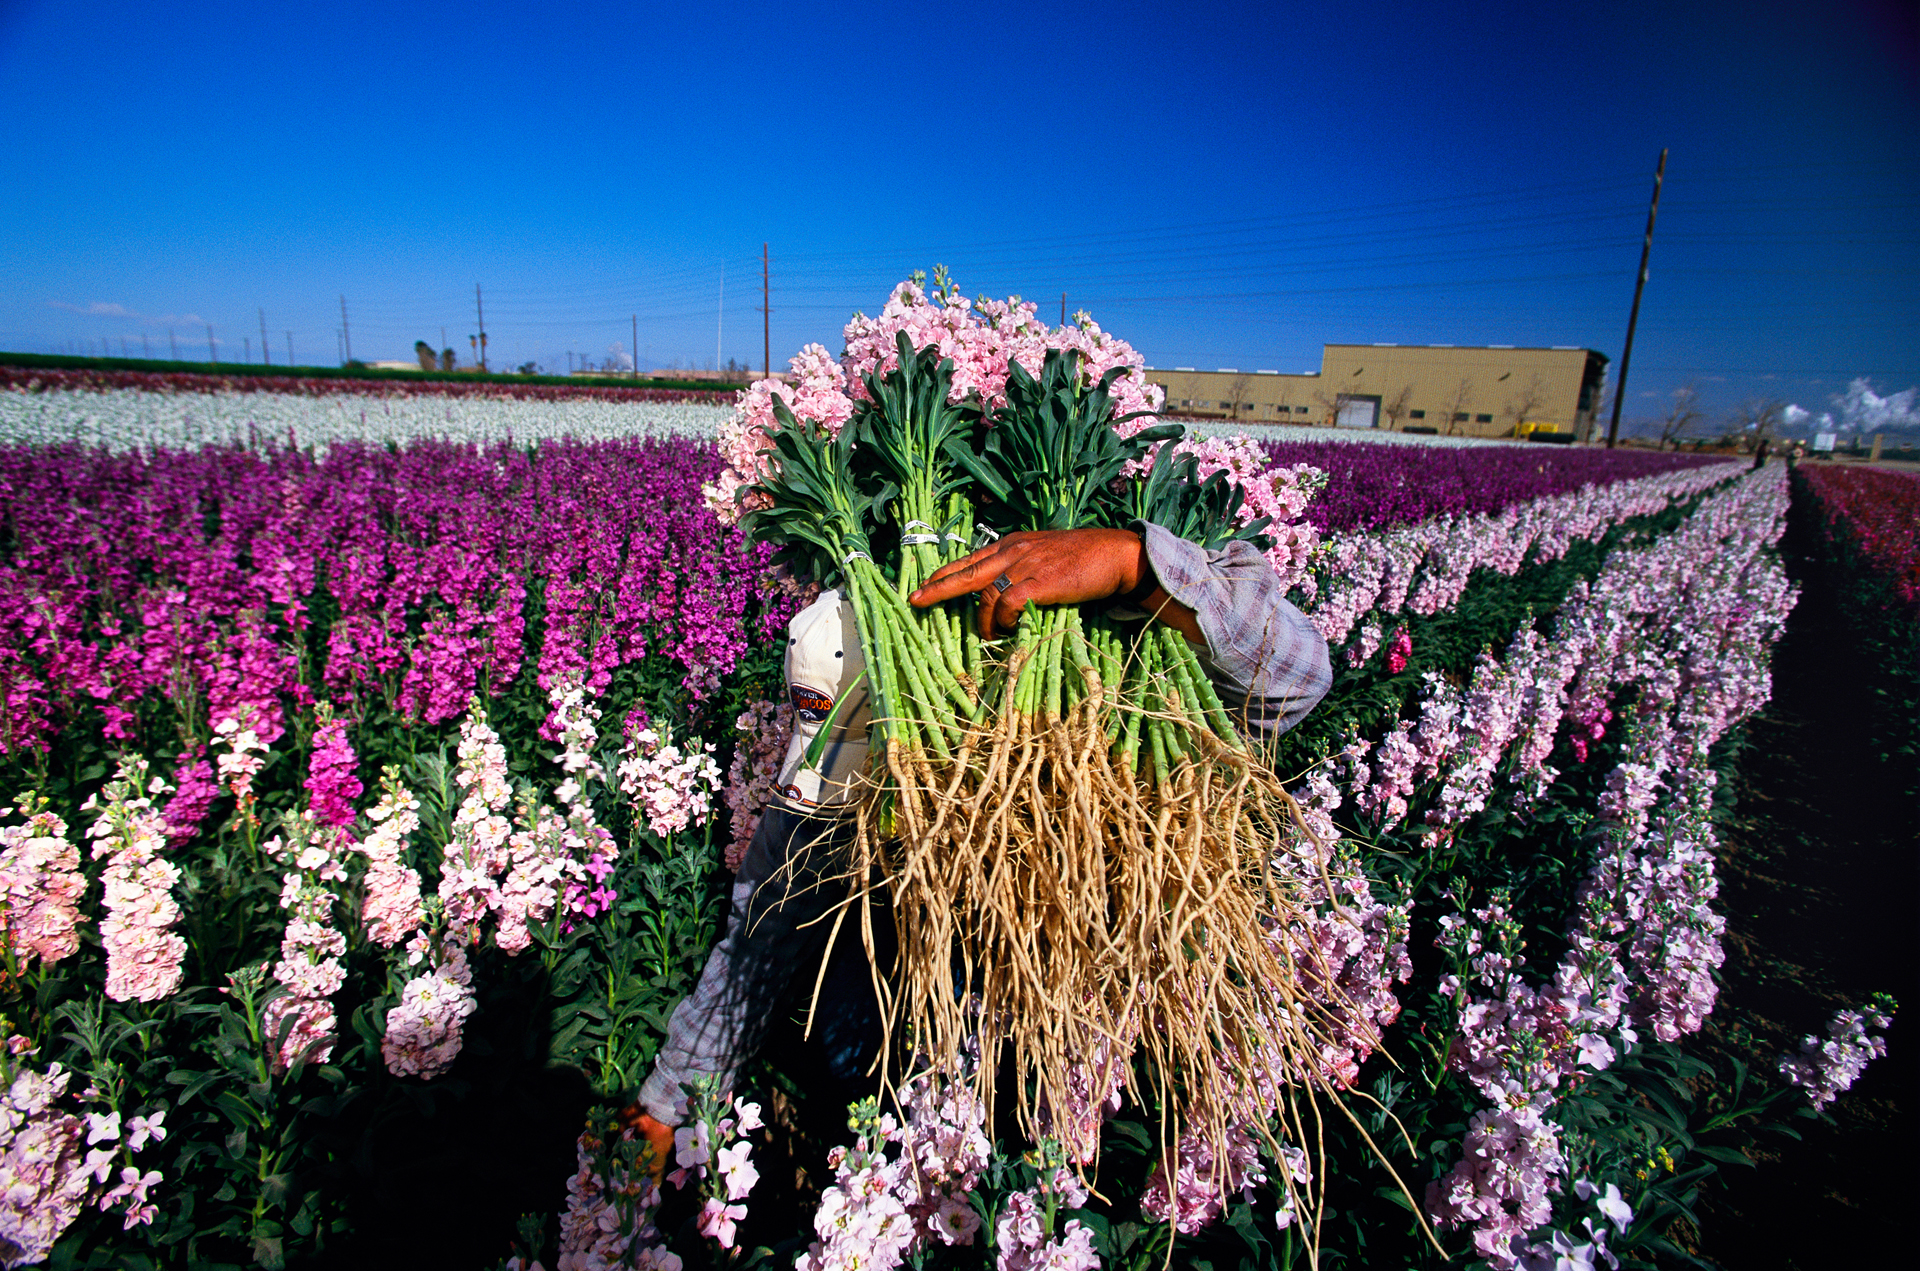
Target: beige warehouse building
pixel 1496 391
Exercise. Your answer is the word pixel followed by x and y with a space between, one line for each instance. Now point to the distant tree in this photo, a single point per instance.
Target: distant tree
pixel 1526 402
pixel 1455 410
pixel 1682 416
pixel 1395 408
pixel 1237 393
pixel 447 359
pixel 424 351
pixel 527 368
pixel 1756 420
pixel 1332 403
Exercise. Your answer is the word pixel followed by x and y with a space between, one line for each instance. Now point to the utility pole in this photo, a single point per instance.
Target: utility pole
pixel 1063 308
pixel 289 348
pixel 346 333
pixel 720 326
pixel 266 354
pixel 213 359
pixel 246 349
pixel 173 345
pixel 634 352
pixel 443 341
pixel 766 315
pixel 480 315
pixel 1633 317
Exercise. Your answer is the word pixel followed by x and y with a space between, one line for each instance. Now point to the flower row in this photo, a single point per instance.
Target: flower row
pixel 42 380
pixel 1374 486
pixel 1879 510
pixel 122 419
pixel 1425 567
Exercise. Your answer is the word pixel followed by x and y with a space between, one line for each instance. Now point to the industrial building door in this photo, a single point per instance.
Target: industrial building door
pixel 1359 412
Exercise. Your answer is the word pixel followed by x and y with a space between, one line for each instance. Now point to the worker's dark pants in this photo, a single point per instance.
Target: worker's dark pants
pixel 790 887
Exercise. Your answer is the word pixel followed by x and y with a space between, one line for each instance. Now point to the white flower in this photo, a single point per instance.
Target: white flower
pixel 102 1128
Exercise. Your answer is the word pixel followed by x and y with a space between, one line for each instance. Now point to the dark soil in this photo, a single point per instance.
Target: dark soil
pixel 1820 882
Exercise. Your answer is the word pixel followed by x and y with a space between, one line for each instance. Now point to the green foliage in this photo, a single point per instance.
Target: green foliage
pixel 1052 453
pixel 817 514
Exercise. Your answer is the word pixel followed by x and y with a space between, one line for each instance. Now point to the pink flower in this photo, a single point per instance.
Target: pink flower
pixel 48 1180
pixel 423 1032
pixel 143 955
pixel 40 884
pixel 736 1170
pixel 1399 649
pixel 1826 1066
pixel 717 1220
pixel 331 784
pixel 392 908
pixel 767 728
pixel 141 1129
pixel 670 788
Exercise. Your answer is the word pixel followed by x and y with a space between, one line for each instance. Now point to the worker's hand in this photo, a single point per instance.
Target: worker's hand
pixel 1047 567
pixel 659 1137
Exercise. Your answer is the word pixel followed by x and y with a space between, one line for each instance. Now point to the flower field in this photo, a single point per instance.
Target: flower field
pixel 366 755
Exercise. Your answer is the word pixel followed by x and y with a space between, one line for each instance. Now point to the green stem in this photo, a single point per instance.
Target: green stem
pixel 918 645
pixel 1206 698
pixel 1183 671
pixel 1055 636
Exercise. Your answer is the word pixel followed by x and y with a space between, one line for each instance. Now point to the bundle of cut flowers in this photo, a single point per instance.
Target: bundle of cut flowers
pixel 1078 843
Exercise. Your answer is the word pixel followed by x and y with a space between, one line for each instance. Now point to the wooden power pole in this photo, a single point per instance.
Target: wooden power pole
pixel 1633 316
pixel 266 356
pixel 346 335
pixel 766 316
pixel 480 315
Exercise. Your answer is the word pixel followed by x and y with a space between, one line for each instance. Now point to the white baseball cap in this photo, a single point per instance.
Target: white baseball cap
pixel 825 664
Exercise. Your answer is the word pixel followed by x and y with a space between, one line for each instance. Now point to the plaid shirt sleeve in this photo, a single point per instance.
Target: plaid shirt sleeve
pixel 1265 659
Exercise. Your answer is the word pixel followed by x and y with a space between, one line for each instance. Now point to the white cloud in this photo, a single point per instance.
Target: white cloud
pixel 1863 409
pixel 98 309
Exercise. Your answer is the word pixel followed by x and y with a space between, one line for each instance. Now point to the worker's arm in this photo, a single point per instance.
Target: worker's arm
pixel 1058 567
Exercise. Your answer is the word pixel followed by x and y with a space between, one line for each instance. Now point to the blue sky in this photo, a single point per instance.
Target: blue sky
pixel 1223 185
